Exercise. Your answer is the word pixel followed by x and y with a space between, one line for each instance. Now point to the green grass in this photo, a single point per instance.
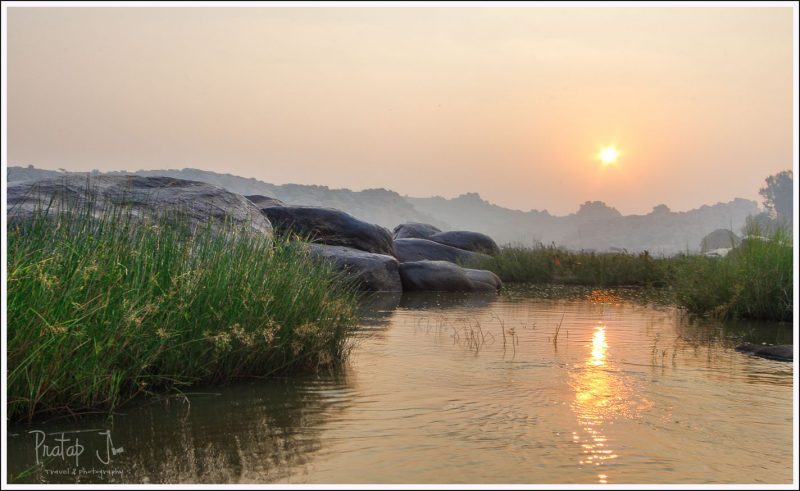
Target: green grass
pixel 754 281
pixel 553 265
pixel 103 310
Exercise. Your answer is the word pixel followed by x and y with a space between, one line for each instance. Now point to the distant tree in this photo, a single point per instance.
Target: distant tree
pixel 777 196
pixel 660 210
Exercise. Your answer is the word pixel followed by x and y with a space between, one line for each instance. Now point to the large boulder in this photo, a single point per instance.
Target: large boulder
pixel 414 230
pixel 410 250
pixel 469 241
pixel 374 272
pixel 331 227
pixel 720 238
pixel 198 202
pixel 446 276
pixel 779 352
pixel 262 201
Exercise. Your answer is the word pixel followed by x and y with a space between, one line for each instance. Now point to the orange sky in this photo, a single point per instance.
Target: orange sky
pixel 513 103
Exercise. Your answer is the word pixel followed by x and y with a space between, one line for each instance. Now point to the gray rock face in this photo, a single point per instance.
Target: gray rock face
pixel 483 277
pixel 331 227
pixel 779 352
pixel 262 201
pixel 446 276
pixel 147 196
pixel 410 250
pixel 719 239
pixel 469 241
pixel 414 230
pixel 374 272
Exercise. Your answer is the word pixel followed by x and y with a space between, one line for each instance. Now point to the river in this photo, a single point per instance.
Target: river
pixel 594 387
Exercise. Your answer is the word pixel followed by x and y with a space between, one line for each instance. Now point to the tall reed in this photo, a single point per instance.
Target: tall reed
pixel 753 281
pixel 548 264
pixel 104 308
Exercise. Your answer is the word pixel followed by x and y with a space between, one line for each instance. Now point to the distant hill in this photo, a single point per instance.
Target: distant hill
pixel 595 226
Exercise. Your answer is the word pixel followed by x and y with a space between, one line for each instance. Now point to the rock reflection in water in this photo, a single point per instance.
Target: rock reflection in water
pixel 444 300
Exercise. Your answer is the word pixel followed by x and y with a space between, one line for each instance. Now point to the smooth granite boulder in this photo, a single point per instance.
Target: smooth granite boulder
pixel 779 352
pixel 414 230
pixel 198 202
pixel 468 241
pixel 374 272
pixel 262 201
pixel 447 277
pixel 410 250
pixel 331 227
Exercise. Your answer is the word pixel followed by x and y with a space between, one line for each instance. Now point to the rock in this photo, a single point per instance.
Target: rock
pixel 147 196
pixel 491 280
pixel 374 272
pixel 446 276
pixel 414 230
pixel 410 250
pixel 331 227
pixel 262 201
pixel 780 352
pixel 468 241
pixel 720 238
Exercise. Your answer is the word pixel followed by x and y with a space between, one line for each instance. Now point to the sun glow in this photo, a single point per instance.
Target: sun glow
pixel 608 155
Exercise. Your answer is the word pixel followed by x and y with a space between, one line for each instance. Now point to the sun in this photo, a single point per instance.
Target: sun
pixel 609 155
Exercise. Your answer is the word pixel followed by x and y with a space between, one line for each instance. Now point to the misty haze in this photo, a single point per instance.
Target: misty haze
pixel 473 243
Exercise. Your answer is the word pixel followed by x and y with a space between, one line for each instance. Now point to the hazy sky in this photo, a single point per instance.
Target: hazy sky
pixel 513 103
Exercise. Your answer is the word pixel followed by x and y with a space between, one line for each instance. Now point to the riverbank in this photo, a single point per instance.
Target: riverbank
pixel 103 310
pixel 753 281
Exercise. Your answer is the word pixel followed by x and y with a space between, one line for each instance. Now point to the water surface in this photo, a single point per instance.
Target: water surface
pixel 450 388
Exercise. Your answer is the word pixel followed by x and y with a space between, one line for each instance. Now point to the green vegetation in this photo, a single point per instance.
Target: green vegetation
pixel 754 281
pixel 553 265
pixel 101 310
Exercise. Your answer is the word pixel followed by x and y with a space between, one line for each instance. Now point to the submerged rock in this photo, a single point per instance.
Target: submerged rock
pixel 468 241
pixel 780 352
pixel 198 202
pixel 374 272
pixel 447 277
pixel 414 230
pixel 410 250
pixel 331 227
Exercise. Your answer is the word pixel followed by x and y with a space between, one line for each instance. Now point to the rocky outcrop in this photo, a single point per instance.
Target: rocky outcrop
pixel 414 230
pixel 331 227
pixel 779 352
pixel 468 241
pixel 410 250
pixel 262 201
pixel 720 238
pixel 446 276
pixel 196 202
pixel 374 272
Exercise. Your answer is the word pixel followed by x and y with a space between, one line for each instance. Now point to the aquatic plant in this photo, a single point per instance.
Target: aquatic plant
pixel 549 264
pixel 104 308
pixel 753 281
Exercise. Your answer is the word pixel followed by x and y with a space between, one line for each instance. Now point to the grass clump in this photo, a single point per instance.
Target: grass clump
pixel 548 264
pixel 753 281
pixel 102 309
